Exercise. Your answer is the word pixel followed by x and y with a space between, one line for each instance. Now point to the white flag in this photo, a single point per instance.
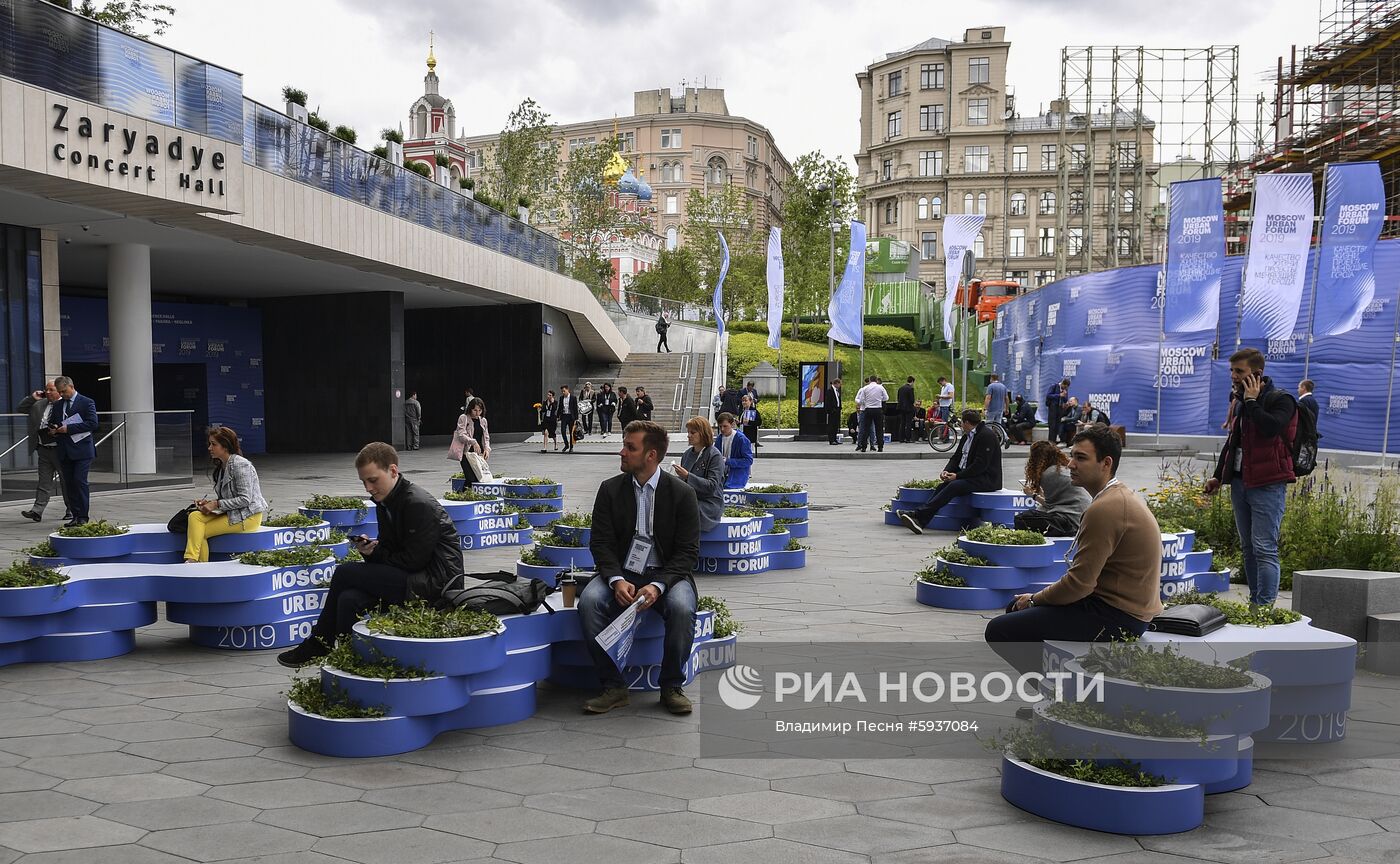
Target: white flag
pixel 1277 267
pixel 959 236
pixel 775 287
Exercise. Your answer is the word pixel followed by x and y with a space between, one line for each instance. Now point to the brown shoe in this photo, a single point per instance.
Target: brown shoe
pixel 675 700
pixel 612 697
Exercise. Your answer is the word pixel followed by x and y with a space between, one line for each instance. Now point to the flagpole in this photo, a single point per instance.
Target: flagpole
pixel 1244 268
pixel 1317 261
pixel 1161 335
pixel 1390 387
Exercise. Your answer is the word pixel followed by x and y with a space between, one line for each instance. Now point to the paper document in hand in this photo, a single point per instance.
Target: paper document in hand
pixel 75 418
pixel 616 638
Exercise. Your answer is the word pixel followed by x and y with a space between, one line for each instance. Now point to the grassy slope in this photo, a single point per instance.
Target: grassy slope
pixel 892 367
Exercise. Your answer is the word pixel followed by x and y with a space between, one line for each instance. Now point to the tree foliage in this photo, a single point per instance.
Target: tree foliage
pixel 525 158
pixel 728 209
pixel 588 215
pixel 675 277
pixel 128 16
pixel 807 213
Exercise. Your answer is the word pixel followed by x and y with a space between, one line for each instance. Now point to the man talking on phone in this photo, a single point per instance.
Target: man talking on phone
pixel 416 555
pixel 1257 464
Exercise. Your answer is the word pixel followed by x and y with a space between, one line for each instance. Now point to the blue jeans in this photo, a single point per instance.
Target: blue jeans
pixel 872 429
pixel 1258 517
pixel 598 605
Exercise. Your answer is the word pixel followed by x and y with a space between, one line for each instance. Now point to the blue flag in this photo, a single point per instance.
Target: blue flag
pixel 718 301
pixel 1195 255
pixel 775 287
pixel 845 310
pixel 1353 210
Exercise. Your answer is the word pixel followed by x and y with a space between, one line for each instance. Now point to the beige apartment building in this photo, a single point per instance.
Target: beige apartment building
pixel 1063 191
pixel 677 143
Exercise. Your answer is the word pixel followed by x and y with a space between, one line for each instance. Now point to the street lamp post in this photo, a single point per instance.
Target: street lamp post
pixel 830 189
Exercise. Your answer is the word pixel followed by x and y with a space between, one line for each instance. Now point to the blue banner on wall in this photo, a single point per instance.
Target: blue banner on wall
pixel 1276 270
pixel 1195 251
pixel 227 340
pixel 1353 211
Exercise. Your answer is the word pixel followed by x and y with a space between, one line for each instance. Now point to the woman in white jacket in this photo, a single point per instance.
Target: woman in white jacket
pixel 471 437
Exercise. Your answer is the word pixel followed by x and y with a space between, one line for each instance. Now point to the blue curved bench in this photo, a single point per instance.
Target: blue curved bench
pixel 996 508
pixel 768 502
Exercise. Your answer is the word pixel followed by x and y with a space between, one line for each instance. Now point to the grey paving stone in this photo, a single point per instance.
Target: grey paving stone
pixel 21 780
pixel 530 779
pixel 958 853
pixel 305 758
pixel 772 851
pixel 161 689
pixel 472 758
pixel 111 790
pixel 93 699
pixel 586 849
pixel 159 730
pixel 1294 824
pixel 1380 780
pixel 1263 782
pixel 161 813
pixel 685 830
pixel 289 858
pixel 932 771
pixel 67 744
pixel 190 749
pixel 14 705
pixel 864 834
pixel 941 811
pixel 405 846
pixel 1209 843
pixel 435 798
pixel 691 783
pixel 69 832
pixel 333 820
pixel 128 854
pixel 237 769
pixel 28 726
pixel 850 787
pixel 1046 840
pixel 229 840
pixel 769 769
pixel 619 760
pixel 613 803
pixel 772 808
pixel 205 702
pixel 115 714
pixel 284 793
pixel 556 741
pixel 92 765
pixel 1378 848
pixel 381 775
pixel 239 718
pixel 269 735
pixel 1337 801
pixel 509 824
pixel 43 804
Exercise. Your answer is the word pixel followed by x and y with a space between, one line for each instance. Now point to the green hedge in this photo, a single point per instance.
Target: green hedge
pixel 878 337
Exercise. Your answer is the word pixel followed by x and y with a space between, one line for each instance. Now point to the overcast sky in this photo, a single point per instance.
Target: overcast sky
pixel 787 64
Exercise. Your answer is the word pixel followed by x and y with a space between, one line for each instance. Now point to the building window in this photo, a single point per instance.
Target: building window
pixel 896 83
pixel 753 147
pixel 928 245
pixel 979 246
pixel 923 208
pixel 977 112
pixel 1044 277
pixel 1018 204
pixel 977 160
pixel 670 139
pixel 930 163
pixel 719 173
pixel 627 142
pixel 1016 243
pixel 1074 241
pixel 1076 202
pixel 894 124
pixel 1047 242
pixel 671 237
pixel 1125 243
pixel 891 211
pixel 473 159
pixel 1127 152
pixel 1129 200
pixel 1049 154
pixel 887 169
pixel 931 76
pixel 751 177
pixel 982 203
pixel 931 118
pixel 1020 161
pixel 979 70
pixel 1077 159
pixel 967 203
pixel 935 207
pixel 575 143
pixel 1047 203
pixel 672 205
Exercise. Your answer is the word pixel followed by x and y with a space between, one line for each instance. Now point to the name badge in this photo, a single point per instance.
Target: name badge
pixel 637 555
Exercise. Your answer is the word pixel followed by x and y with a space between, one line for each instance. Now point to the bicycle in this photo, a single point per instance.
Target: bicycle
pixel 944 436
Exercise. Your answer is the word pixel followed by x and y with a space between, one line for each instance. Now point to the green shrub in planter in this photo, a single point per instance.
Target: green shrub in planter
pixel 336 502
pixel 532 481
pixel 42 549
pixel 458 476
pixel 576 520
pixel 468 495
pixel 1005 536
pixel 100 528
pixel 777 489
pixel 293 95
pixel 543 539
pixel 725 625
pixel 1130 661
pixel 938 576
pixel 543 508
pixel 417 620
pixel 295 556
pixel 345 658
pixel 22 574
pixel 290 520
pixel 1142 723
pixel 307 694
pixel 955 554
pixel 742 512
pixel 794 546
pixel 1037 750
pixel 530 556
pixel 1239 613
pixel 921 484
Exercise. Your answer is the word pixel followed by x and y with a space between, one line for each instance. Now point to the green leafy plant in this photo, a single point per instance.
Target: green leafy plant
pixel 936 575
pixel 307 694
pixel 337 502
pixel 793 546
pixel 345 658
pixel 1005 536
pixel 100 528
pixel 469 495
pixel 551 539
pixel 351 556
pixel 459 476
pixel 782 522
pixel 915 483
pixel 417 620
pixel 777 489
pixel 1036 750
pixel 316 121
pixel 1131 661
pixel 295 556
pixel 576 520
pixel 441 159
pixel 1239 613
pixel 725 625
pixel 530 556
pixel 466 182
pixel 291 520
pixel 742 512
pixel 391 135
pixel 418 167
pixel 293 95
pixel 42 549
pixel 543 508
pixel 526 496
pixel 955 554
pixel 344 133
pixel 22 574
pixel 532 481
pixel 336 536
pixel 1130 721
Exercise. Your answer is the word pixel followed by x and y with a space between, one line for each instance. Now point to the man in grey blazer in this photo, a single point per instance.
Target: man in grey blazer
pixel 38 405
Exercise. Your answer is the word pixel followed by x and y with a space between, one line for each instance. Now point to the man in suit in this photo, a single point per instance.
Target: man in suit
pixel 42 407
pixel 737 452
pixel 833 410
pixel 905 397
pixel 645 543
pixel 568 414
pixel 975 467
pixel 76 447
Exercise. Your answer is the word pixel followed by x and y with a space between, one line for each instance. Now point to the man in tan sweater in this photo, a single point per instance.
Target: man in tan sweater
pixel 1112 588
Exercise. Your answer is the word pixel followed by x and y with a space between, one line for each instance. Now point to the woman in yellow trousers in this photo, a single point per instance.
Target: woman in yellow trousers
pixel 237 505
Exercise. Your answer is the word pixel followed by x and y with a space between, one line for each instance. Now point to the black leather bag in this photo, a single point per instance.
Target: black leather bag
pixel 1192 619
pixel 180 522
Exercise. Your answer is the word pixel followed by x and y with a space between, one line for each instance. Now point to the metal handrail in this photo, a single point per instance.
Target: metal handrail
pixel 13 446
pixel 108 435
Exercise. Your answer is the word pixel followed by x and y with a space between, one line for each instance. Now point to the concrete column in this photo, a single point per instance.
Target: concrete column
pixel 53 324
pixel 129 329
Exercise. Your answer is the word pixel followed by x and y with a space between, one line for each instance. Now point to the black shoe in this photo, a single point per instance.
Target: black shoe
pixel 29 514
pixel 312 649
pixel 74 523
pixel 909 521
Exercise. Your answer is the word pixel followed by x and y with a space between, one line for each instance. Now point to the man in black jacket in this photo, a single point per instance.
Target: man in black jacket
pixel 1022 420
pixel 568 415
pixel 644 404
pixel 975 467
pixel 905 396
pixel 42 406
pixel 415 556
pixel 833 410
pixel 645 543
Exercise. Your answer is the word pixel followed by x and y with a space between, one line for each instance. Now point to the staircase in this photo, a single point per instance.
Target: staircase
pixel 677 383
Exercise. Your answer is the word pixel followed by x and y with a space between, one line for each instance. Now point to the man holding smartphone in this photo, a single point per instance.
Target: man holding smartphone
pixel 416 555
pixel 1257 463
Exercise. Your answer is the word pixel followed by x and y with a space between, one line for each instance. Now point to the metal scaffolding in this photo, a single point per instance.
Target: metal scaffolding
pixel 1149 116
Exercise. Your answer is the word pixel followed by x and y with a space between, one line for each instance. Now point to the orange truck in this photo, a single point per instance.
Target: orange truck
pixel 985 295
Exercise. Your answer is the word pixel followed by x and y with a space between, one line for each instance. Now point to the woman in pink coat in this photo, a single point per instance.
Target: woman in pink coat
pixel 471 437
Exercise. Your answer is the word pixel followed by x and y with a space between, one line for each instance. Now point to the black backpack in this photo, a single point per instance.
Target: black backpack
pixel 500 597
pixel 1304 443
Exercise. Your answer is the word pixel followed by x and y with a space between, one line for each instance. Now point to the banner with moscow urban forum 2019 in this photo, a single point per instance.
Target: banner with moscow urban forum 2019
pixel 1276 270
pixel 1195 253
pixel 1353 210
pixel 959 234
pixel 845 309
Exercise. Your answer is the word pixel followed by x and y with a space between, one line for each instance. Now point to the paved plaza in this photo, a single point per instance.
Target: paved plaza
pixel 177 753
